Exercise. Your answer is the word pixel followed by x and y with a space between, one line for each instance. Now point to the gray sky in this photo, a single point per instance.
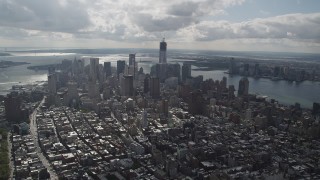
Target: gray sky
pixel 237 25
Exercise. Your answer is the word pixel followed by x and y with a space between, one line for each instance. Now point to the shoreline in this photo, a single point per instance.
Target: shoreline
pixel 8 64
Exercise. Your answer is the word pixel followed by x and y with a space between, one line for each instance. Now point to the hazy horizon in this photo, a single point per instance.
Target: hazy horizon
pixel 44 49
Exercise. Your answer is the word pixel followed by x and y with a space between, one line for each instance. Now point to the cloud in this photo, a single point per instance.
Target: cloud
pixel 291 26
pixel 184 9
pixel 56 16
pixel 298 2
pixel 13 32
pixel 148 23
pixel 179 14
pixel 265 13
pixel 108 19
pixel 192 21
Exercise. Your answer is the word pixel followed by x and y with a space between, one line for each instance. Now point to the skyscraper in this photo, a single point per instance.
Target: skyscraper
pixel 163 52
pixel 132 59
pixel 146 84
pixel 52 83
pixel 224 82
pixel 12 104
pixel 66 65
pixel 154 87
pixel 77 67
pixel 196 103
pixel 81 63
pixel 107 68
pixel 173 70
pixel 186 71
pixel 51 69
pixel 231 90
pixel 243 89
pixel 72 97
pixel 316 108
pixel 127 85
pixel 120 66
pixel 101 74
pixel 72 90
pixel 132 64
pixel 93 90
pixel 94 69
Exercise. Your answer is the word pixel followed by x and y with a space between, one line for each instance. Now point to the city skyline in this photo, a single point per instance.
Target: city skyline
pixel 233 25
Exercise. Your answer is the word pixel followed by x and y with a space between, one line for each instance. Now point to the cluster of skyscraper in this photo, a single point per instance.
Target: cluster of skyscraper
pixel 96 81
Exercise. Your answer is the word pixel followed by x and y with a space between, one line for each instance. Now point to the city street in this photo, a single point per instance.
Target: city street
pixel 11 165
pixel 34 133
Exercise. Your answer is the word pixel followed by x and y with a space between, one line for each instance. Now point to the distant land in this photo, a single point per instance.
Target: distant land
pixel 4 54
pixel 6 64
pixel 43 67
pixel 206 63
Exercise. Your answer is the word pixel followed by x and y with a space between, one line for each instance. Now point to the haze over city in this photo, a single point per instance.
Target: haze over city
pixel 230 25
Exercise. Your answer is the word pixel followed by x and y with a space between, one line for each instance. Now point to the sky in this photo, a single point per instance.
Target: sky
pixel 230 25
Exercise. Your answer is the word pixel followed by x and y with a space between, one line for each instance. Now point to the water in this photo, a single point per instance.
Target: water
pixel 20 75
pixel 285 92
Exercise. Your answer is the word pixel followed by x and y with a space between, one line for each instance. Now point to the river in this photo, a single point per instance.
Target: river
pixel 285 92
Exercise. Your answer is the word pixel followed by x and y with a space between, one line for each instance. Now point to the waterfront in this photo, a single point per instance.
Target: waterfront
pixel 19 75
pixel 284 91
